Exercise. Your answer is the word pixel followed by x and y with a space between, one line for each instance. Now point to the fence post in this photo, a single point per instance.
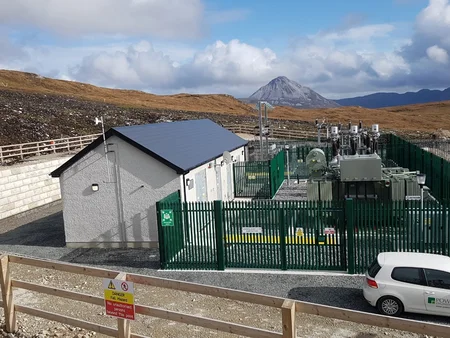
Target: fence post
pixel 1 155
pixel 218 223
pixel 444 228
pixel 441 179
pixel 349 208
pixel 123 325
pixel 288 319
pixel 7 295
pixel 282 234
pixel 269 163
pixel 21 152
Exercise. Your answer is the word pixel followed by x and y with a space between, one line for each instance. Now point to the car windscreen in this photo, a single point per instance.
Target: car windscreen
pixel 373 268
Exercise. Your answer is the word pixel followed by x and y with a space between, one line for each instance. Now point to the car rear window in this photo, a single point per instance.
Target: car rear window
pixel 373 268
pixel 408 275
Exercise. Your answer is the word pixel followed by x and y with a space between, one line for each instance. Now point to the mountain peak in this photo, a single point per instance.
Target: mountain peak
pixel 282 91
pixel 281 78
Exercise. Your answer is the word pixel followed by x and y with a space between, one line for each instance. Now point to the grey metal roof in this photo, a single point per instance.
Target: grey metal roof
pixel 183 145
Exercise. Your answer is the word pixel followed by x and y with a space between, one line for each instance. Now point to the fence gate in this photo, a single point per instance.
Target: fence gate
pixel 251 235
pixel 316 235
pixel 285 235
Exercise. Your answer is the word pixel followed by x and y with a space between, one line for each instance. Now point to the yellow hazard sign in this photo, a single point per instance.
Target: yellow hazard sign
pixel 119 296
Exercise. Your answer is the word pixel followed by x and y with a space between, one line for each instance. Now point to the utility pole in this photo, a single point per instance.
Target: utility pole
pixel 264 126
pixel 260 131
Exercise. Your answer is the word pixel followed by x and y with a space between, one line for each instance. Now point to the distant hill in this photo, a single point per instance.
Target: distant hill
pixel 381 100
pixel 34 108
pixel 284 92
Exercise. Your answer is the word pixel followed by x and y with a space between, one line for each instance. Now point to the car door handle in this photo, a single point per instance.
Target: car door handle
pixel 429 292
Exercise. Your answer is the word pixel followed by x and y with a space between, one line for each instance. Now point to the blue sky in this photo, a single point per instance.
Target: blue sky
pixel 284 20
pixel 338 48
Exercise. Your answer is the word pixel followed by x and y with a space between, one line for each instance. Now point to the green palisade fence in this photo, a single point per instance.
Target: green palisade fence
pixel 309 235
pixel 259 179
pixel 276 167
pixel 252 179
pixel 398 226
pixel 170 234
pixel 411 156
pixel 256 234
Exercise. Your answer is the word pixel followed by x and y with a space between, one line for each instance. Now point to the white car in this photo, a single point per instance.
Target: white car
pixel 399 282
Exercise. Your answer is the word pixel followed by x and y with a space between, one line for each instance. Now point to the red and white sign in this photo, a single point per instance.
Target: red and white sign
pixel 329 231
pixel 119 298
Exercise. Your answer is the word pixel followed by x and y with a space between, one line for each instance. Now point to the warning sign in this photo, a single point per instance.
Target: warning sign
pixel 329 231
pixel 119 298
pixel 111 286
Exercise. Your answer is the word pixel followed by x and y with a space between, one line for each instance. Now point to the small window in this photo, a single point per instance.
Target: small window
pixel 437 278
pixel 408 275
pixel 374 268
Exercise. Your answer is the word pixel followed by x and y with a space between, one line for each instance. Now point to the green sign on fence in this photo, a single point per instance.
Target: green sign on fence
pixel 167 218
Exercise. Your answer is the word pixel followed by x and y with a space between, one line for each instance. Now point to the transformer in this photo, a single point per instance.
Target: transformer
pixel 360 168
pixel 356 170
pixel 316 162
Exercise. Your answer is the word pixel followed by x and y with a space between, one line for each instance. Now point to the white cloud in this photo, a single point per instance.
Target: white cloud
pixel 344 62
pixel 166 19
pixel 434 20
pixel 437 54
pixel 366 32
pixel 140 66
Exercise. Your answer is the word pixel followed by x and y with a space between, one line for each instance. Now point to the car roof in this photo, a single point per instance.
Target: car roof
pixel 414 259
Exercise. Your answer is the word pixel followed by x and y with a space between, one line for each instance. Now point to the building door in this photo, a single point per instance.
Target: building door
pixel 200 186
pixel 219 182
pixel 230 190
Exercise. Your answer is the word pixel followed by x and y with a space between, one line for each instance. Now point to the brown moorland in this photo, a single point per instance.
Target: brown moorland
pixel 425 118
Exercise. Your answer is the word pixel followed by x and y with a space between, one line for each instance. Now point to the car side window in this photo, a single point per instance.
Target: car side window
pixel 437 278
pixel 408 275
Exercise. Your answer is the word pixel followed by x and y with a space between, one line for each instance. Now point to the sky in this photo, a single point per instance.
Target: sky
pixel 337 48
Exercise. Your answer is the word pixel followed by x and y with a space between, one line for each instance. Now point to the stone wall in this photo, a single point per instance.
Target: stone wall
pixel 28 185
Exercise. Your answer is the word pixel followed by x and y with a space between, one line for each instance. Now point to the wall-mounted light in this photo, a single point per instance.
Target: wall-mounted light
pixel 189 183
pixel 222 163
pixel 94 187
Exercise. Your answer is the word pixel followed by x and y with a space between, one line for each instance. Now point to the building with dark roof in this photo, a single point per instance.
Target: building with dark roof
pixel 110 189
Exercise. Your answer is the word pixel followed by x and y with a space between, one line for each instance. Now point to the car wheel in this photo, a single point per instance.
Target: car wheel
pixel 390 306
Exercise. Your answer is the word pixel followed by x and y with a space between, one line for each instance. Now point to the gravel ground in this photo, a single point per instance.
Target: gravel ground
pixel 41 234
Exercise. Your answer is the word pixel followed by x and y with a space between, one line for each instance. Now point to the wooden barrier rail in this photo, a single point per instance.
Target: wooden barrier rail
pixel 288 307
pixel 20 151
pixel 17 152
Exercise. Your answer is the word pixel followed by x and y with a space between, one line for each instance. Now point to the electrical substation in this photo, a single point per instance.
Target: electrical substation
pixel 355 170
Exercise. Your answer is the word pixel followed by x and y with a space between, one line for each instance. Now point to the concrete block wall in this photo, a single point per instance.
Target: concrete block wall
pixel 28 185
